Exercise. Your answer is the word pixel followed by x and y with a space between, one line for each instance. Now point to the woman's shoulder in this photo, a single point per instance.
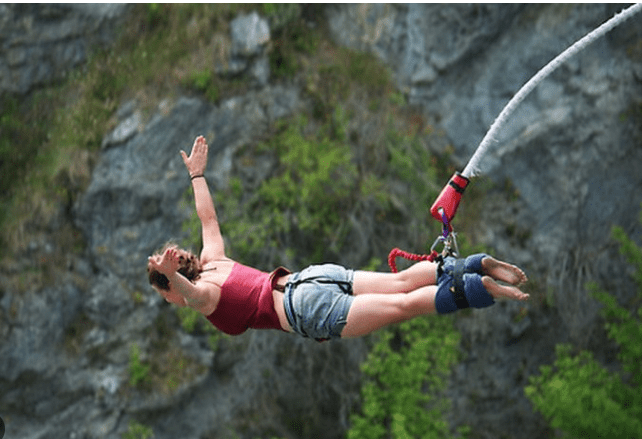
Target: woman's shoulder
pixel 216 272
pixel 216 264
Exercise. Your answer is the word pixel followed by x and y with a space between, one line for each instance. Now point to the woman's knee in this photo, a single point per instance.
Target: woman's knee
pixel 415 303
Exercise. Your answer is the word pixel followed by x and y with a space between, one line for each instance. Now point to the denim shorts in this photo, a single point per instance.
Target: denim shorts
pixel 317 300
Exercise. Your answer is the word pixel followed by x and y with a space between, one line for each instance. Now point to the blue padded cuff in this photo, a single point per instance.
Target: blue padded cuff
pixel 474 290
pixel 473 263
pixel 444 299
pixel 476 293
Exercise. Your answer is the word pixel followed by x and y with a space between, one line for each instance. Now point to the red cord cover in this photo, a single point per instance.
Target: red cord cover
pixel 449 198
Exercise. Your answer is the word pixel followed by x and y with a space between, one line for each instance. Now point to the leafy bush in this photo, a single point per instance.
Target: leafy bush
pixel 581 397
pixel 308 194
pixel 291 38
pixel 193 322
pixel 203 81
pixel 403 376
pixel 136 430
pixel 138 371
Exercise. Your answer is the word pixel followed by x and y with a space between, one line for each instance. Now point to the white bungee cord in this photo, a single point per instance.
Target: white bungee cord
pixel 472 168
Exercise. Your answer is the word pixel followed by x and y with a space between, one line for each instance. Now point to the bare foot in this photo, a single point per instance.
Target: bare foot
pixel 501 291
pixel 502 271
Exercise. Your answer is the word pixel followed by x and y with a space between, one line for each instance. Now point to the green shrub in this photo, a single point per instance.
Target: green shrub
pixel 403 376
pixel 193 322
pixel 138 371
pixel 308 195
pixel 203 81
pixel 290 38
pixel 581 397
pixel 136 430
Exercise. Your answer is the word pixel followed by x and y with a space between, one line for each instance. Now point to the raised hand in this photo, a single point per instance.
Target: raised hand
pixel 197 160
pixel 167 263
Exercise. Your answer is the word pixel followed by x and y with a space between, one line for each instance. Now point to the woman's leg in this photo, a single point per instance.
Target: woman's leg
pixel 418 275
pixel 370 312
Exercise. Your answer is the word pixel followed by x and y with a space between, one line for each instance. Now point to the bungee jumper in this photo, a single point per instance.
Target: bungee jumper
pixel 322 302
pixel 329 301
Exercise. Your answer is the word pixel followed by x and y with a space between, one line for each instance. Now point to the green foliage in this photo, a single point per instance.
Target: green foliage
pixel 581 397
pixel 403 376
pixel 136 430
pixel 366 69
pixel 189 317
pixel 345 71
pixel 412 163
pixel 191 227
pixel 281 15
pixel 157 15
pixel 193 322
pixel 203 81
pixel 631 251
pixel 316 181
pixel 291 38
pixel 138 371
pixel 12 131
pixel 309 194
pixel 397 98
pixel 19 138
pixel 321 186
pixel 623 326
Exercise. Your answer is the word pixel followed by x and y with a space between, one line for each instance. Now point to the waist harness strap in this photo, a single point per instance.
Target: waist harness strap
pixel 346 287
pixel 458 289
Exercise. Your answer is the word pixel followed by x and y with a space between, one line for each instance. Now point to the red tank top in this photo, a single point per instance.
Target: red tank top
pixel 246 301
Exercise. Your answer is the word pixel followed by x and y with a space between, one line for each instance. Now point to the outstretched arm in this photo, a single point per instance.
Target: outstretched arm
pixel 213 245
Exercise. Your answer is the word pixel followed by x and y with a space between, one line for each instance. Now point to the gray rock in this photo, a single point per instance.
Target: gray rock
pixel 260 71
pixel 125 130
pixel 250 33
pixel 41 43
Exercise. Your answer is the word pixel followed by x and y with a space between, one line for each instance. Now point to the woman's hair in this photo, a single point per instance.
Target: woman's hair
pixel 188 265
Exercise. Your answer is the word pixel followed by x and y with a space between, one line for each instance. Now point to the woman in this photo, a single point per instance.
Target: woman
pixel 322 301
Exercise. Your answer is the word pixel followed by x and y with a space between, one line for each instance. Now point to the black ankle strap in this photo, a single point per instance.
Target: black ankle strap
pixel 458 290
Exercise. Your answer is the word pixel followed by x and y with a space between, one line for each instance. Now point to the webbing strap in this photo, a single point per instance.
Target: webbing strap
pixel 458 284
pixel 346 287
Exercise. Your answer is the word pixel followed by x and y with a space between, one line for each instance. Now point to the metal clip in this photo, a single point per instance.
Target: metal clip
pixel 450 245
pixel 440 240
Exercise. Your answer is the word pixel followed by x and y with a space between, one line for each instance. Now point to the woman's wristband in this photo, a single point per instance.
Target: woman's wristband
pixel 196 176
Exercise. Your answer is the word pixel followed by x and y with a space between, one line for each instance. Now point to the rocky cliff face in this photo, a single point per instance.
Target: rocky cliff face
pixel 570 152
